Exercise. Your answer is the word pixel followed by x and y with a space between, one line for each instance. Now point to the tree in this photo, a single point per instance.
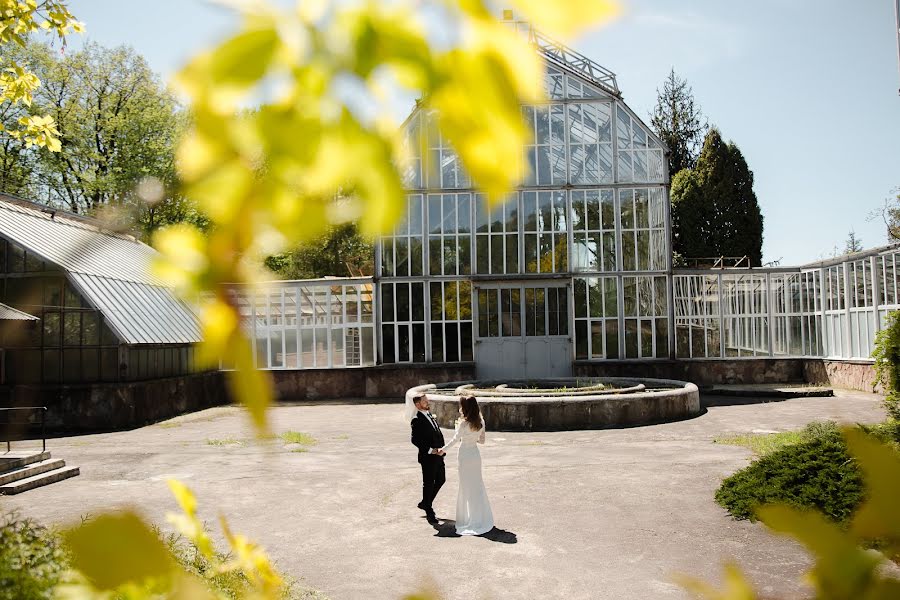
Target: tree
pixel 18 21
pixel 679 122
pixel 339 252
pixel 714 209
pixel 853 243
pixel 890 214
pixel 119 126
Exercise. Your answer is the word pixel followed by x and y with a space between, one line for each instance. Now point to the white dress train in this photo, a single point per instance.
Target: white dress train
pixel 473 509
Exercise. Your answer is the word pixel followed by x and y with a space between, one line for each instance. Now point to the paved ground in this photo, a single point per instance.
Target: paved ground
pixel 586 514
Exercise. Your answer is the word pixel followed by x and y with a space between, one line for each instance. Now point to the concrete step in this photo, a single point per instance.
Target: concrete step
pixel 10 461
pixel 31 470
pixel 29 483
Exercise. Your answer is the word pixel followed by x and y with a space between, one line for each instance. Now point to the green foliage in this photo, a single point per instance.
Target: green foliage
pixel 678 120
pixel 763 444
pixel 224 442
pixel 890 214
pixel 853 243
pixel 843 569
pixel 298 437
pixel 119 125
pixel 35 564
pixel 714 209
pixel 814 473
pixel 340 252
pixel 19 21
pixel 267 178
pixel 887 362
pixel 32 560
pixel 117 555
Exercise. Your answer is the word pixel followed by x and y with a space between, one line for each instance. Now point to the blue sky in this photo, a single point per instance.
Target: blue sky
pixel 808 89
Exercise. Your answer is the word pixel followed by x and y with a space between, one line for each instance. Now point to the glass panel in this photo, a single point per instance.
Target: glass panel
pixel 465 334
pixel 437 342
pixel 510 314
pixel 581 346
pixel 612 338
pixel 597 331
pixel 402 301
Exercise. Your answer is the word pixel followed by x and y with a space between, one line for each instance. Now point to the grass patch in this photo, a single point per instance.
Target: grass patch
pixel 224 442
pixel 298 437
pixel 763 444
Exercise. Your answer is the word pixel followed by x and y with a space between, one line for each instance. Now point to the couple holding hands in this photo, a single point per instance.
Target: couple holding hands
pixel 473 510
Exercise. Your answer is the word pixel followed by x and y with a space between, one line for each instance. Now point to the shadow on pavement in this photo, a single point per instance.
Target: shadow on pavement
pixel 707 401
pixel 446 528
pixel 500 535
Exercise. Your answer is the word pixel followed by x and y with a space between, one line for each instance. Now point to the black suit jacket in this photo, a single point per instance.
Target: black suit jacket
pixel 425 437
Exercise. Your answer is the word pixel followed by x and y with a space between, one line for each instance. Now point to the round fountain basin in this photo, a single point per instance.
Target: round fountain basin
pixel 567 404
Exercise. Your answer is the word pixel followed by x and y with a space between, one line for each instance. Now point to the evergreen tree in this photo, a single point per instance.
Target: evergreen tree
pixel 853 243
pixel 714 209
pixel 679 122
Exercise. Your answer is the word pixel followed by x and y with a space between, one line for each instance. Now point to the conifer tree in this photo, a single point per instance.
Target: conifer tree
pixel 714 209
pixel 679 122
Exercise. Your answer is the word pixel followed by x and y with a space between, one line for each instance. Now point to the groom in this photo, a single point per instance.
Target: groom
pixel 427 437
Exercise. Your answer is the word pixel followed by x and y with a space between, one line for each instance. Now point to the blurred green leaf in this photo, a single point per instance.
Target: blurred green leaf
pixel 736 586
pixel 578 16
pixel 245 58
pixel 117 548
pixel 879 516
pixel 842 568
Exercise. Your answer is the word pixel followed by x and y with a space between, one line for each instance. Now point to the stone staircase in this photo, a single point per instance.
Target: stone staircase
pixel 21 471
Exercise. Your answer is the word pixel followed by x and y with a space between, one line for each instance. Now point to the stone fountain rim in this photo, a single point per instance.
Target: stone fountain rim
pixel 675 388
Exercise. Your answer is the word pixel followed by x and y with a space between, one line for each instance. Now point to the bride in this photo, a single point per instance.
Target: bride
pixel 473 510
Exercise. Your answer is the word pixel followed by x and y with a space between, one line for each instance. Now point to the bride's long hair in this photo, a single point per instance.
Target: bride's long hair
pixel 471 412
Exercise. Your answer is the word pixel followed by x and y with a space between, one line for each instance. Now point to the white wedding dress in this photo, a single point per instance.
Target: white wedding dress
pixel 473 510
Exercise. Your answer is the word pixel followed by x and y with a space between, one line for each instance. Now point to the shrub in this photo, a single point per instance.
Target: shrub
pixel 887 363
pixel 32 560
pixel 816 473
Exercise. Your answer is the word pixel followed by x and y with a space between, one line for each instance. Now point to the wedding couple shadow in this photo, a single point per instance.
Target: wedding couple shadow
pixel 447 528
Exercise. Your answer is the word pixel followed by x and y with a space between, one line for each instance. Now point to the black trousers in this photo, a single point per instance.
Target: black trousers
pixel 433 477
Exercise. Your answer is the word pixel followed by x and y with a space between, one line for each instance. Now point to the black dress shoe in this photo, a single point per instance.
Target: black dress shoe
pixel 431 517
pixel 422 506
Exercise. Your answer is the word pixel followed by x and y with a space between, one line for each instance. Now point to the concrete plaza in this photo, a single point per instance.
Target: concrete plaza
pixel 582 514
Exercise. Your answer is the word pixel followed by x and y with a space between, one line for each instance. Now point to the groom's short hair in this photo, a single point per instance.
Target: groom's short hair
pixel 419 398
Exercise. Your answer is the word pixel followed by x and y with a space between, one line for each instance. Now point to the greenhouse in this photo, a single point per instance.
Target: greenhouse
pixel 573 270
pixel 575 267
pixel 96 313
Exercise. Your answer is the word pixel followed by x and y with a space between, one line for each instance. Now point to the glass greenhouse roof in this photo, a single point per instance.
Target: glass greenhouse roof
pixel 111 270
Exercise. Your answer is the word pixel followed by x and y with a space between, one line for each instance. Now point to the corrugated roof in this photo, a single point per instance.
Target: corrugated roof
pixel 8 313
pixel 111 270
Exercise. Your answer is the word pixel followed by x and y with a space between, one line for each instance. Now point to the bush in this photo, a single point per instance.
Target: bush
pixel 887 363
pixel 32 560
pixel 816 473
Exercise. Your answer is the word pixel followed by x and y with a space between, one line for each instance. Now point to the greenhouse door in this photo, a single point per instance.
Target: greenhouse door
pixel 523 331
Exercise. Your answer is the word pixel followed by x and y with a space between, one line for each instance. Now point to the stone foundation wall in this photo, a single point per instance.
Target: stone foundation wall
pixel 701 372
pixel 110 406
pixel 847 374
pixel 383 381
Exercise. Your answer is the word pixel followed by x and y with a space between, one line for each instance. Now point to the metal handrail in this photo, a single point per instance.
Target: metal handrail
pixel 43 410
